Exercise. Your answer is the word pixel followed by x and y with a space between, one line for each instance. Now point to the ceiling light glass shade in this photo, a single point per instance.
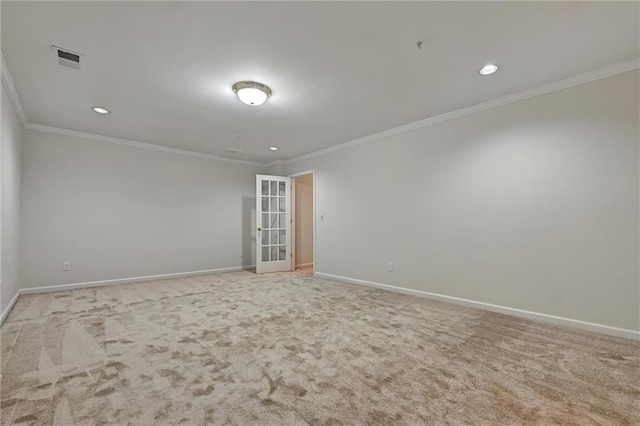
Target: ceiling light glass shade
pixel 251 92
pixel 488 69
pixel 273 148
pixel 100 110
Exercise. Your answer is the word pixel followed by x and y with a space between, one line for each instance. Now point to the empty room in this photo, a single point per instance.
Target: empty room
pixel 320 213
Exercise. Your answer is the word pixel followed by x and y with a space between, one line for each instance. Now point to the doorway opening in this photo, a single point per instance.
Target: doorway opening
pixel 303 215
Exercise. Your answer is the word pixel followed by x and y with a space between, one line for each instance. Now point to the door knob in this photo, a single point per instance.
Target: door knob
pixel 259 229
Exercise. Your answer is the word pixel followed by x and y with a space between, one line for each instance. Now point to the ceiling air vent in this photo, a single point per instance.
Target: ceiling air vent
pixel 68 58
pixel 232 151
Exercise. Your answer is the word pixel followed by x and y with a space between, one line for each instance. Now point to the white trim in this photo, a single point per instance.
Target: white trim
pixel 5 313
pixel 545 89
pixel 63 287
pixel 313 173
pixel 304 265
pixel 566 83
pixel 308 172
pixel 7 82
pixel 294 223
pixel 136 144
pixel 583 325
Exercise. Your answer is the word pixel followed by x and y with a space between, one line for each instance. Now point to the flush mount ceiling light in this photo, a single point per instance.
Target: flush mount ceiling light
pixel 251 92
pixel 100 110
pixel 488 69
pixel 273 148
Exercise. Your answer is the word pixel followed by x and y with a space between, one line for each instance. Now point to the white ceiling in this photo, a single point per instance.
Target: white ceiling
pixel 339 71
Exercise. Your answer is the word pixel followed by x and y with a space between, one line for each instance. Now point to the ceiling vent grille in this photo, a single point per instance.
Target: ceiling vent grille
pixel 68 58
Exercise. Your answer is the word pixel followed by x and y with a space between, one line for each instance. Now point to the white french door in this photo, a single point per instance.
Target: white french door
pixel 273 222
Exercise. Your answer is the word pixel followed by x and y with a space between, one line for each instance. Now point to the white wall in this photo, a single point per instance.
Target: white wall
pixel 10 161
pixel 117 211
pixel 304 219
pixel 533 205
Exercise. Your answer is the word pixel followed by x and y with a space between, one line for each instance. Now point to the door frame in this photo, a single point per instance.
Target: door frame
pixel 293 215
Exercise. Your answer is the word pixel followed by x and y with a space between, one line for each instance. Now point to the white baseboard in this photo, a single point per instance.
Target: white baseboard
pixel 5 312
pixel 583 325
pixel 62 287
pixel 304 265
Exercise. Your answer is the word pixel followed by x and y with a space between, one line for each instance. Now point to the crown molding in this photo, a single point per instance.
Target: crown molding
pixel 136 144
pixel 545 89
pixel 7 82
pixel 555 86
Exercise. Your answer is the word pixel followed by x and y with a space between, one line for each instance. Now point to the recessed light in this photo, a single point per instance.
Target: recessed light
pixel 252 93
pixel 100 110
pixel 488 69
pixel 273 148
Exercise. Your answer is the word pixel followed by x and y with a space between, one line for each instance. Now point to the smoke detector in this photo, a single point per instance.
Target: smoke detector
pixel 68 58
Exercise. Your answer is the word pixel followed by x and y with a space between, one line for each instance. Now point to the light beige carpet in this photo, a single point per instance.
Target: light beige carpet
pixel 290 349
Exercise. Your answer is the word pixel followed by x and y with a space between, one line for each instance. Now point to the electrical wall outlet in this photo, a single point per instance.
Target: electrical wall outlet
pixel 66 266
pixel 390 266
